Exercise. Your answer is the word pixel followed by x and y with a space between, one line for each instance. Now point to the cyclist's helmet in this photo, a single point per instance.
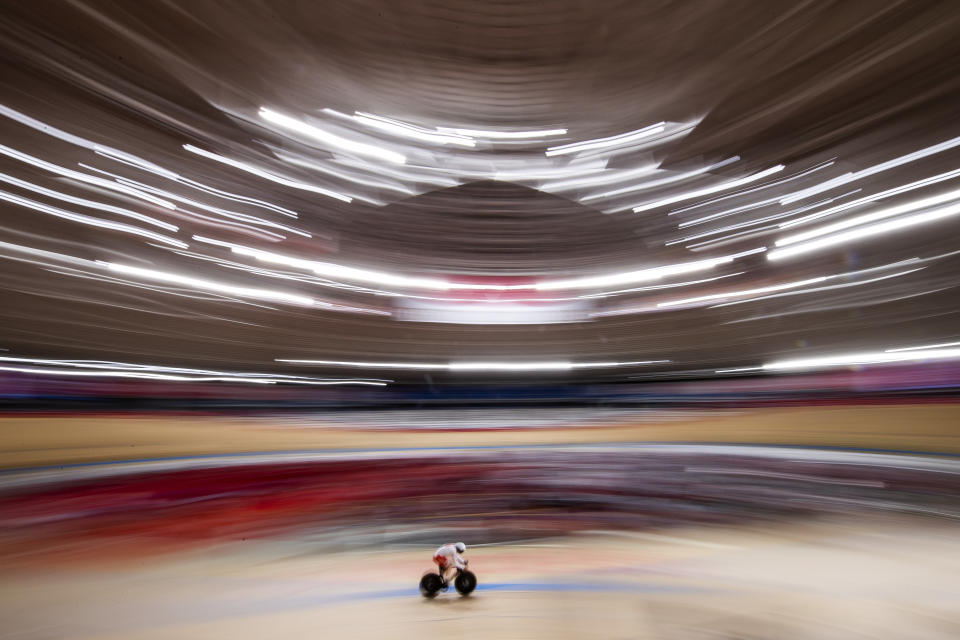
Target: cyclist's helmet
pixel 460 547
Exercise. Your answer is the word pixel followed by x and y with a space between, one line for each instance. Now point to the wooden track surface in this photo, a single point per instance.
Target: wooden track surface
pixel 882 578
pixel 48 440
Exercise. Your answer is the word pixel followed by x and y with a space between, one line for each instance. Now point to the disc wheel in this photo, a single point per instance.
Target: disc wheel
pixel 430 584
pixel 465 583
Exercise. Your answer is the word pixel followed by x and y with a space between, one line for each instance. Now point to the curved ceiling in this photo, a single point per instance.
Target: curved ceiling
pixel 620 189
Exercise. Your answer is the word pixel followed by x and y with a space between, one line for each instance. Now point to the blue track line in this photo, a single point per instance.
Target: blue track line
pixel 595 587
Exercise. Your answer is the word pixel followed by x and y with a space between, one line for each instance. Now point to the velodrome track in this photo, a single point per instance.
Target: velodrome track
pixel 873 578
pixel 52 439
pixel 179 527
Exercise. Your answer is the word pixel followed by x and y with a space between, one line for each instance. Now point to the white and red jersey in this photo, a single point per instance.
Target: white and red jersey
pixel 447 556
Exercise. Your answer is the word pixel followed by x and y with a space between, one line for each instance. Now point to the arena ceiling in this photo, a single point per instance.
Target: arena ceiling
pixel 571 189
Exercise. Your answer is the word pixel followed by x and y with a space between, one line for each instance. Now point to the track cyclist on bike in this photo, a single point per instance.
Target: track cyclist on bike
pixel 448 558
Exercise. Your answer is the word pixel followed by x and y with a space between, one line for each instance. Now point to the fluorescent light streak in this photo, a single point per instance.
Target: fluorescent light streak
pixel 332 270
pixel 734 227
pixel 266 175
pixel 879 214
pixel 723 186
pixel 344 144
pixel 83 177
pixel 480 365
pixel 237 197
pixel 49 255
pixel 261 293
pixel 108 364
pixel 746 292
pixel 925 346
pixel 642 275
pixel 133 161
pixel 182 378
pixel 864 232
pixel 210 285
pixel 793 285
pixel 733 238
pixel 558 365
pixel 346 175
pixel 96 222
pixel 87 203
pixel 726 212
pixel 236 227
pixel 765 185
pixel 607 176
pixel 654 287
pixel 662 181
pixel 456 169
pixel 868 357
pixel 883 166
pixel 738 369
pixel 233 215
pixel 46 128
pixel 233 293
pixel 857 304
pixel 411 131
pixel 603 143
pixel 131 374
pixel 371 365
pixel 536 172
pixel 513 167
pixel 109 152
pixel 202 219
pixel 820 289
pixel 872 198
pixel 439 284
pixel 593 365
pixel 741 235
pixel 759 204
pixel 408 173
pixel 504 135
pixel 109 368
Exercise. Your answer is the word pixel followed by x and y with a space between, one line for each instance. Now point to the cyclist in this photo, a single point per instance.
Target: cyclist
pixel 448 557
